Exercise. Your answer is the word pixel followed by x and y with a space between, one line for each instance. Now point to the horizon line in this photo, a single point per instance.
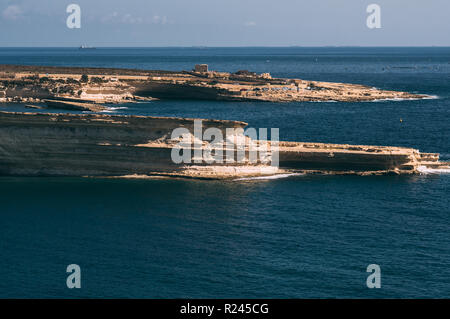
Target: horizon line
pixel 238 46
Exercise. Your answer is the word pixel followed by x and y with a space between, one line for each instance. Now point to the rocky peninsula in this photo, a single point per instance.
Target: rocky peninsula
pixel 67 87
pixel 44 144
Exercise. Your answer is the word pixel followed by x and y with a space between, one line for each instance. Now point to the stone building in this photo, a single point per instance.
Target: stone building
pixel 266 76
pixel 201 68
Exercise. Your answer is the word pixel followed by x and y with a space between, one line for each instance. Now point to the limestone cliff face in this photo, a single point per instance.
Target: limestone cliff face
pixel 178 91
pixel 40 144
pixel 348 158
pixel 77 145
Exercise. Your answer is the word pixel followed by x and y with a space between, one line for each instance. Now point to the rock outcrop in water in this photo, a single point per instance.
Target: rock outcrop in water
pixel 28 83
pixel 40 144
pixel 34 144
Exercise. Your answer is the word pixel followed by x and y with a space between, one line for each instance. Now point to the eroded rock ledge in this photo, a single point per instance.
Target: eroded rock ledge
pixel 40 144
pixel 97 85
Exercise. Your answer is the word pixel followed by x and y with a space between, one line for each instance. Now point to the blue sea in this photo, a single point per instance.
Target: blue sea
pixel 296 237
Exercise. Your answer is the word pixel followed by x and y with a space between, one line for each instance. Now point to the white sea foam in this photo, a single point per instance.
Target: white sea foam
pixel 112 109
pixel 399 99
pixel 427 170
pixel 277 176
pixel 431 97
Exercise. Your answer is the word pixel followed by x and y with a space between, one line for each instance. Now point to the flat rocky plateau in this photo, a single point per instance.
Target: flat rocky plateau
pixel 98 85
pixel 44 144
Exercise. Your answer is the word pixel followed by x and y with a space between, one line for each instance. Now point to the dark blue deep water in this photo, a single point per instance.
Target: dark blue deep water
pixel 299 237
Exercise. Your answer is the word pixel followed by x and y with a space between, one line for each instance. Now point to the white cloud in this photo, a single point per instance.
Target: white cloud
pixel 129 18
pixel 109 17
pixel 250 23
pixel 159 20
pixel 12 12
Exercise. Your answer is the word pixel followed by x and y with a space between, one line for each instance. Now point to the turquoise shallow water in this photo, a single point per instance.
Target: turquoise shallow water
pixel 304 236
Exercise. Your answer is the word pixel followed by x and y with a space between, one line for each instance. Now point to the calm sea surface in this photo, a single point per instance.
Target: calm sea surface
pixel 303 236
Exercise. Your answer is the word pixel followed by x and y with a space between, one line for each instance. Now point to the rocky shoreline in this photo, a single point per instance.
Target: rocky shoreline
pixel 99 145
pixel 44 144
pixel 35 84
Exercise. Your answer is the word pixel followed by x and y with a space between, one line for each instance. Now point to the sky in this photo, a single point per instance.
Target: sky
pixel 153 23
